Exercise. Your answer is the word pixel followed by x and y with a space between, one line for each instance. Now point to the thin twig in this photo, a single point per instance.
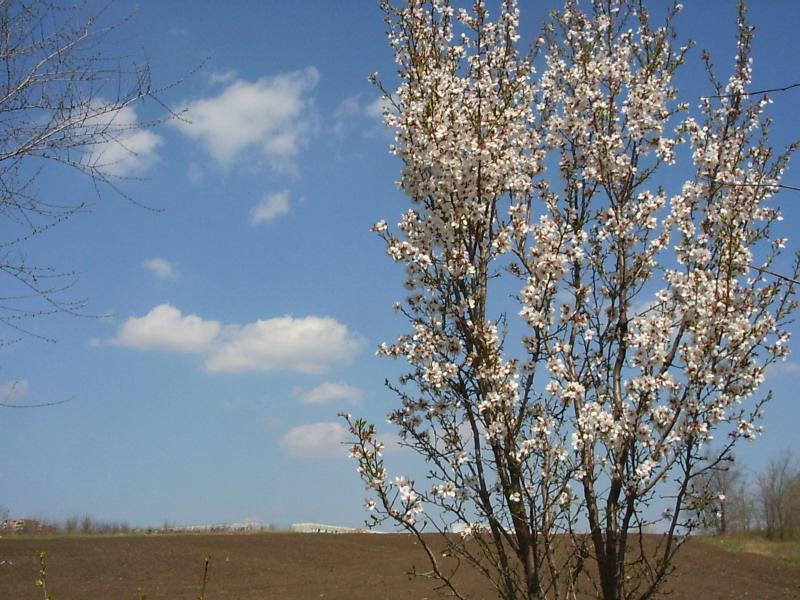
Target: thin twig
pixel 774 274
pixel 745 184
pixel 7 405
pixel 769 91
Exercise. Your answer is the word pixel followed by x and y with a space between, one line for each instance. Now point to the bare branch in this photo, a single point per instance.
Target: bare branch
pixel 67 105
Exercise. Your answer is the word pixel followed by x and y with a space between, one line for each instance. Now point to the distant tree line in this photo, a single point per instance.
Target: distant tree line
pixel 767 502
pixel 86 524
pixel 73 525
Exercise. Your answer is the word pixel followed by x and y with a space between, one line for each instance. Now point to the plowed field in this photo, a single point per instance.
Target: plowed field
pixel 287 566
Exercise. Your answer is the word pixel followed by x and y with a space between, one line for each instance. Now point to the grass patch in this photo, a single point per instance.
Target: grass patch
pixel 785 550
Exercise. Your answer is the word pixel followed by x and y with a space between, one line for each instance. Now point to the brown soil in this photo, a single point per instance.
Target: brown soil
pixel 287 566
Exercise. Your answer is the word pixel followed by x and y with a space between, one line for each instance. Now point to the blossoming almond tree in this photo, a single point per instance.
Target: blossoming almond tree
pixel 582 323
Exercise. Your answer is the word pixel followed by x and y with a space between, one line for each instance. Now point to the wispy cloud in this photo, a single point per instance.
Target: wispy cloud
pixel 378 107
pixel 270 207
pixel 11 391
pixel 304 345
pixel 178 32
pixel 161 268
pixel 318 440
pixel 362 115
pixel 783 367
pixel 328 393
pixel 349 107
pixel 270 117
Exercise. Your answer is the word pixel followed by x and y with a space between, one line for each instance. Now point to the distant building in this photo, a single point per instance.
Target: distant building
pixel 20 526
pixel 317 528
pixel 216 527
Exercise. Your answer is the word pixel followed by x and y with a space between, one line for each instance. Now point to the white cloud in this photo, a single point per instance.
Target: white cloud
pixel 270 207
pixel 319 440
pixel 304 345
pixel 130 149
pixel 161 268
pixel 271 115
pixel 327 393
pixel 165 328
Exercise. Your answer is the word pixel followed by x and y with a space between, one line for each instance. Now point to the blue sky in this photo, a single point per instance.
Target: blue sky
pixel 199 398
